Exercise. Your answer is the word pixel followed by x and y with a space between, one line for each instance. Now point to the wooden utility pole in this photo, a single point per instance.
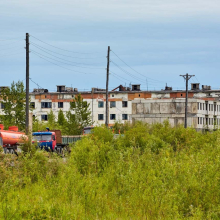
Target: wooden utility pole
pixel 27 84
pixel 107 78
pixel 187 77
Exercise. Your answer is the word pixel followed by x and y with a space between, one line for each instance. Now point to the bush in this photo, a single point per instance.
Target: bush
pixel 150 172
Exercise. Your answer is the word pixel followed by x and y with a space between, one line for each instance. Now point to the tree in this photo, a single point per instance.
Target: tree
pixel 81 116
pixel 13 101
pixel 61 118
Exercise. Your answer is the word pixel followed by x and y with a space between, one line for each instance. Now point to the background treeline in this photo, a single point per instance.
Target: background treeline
pixel 149 172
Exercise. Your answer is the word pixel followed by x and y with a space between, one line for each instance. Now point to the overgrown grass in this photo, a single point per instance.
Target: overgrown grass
pixel 150 172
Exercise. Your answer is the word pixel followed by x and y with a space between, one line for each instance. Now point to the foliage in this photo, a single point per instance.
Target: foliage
pixel 79 115
pixel 61 118
pixel 13 100
pixel 149 172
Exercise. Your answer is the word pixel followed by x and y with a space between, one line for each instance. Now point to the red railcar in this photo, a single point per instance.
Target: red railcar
pixel 11 138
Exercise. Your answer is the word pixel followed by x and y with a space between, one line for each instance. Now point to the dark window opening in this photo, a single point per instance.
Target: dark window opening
pixel 60 104
pixel 100 104
pixel 44 117
pixel 124 116
pixel 32 105
pixel 124 104
pixel 112 116
pixel 112 104
pixel 2 105
pixel 100 117
pixel 46 104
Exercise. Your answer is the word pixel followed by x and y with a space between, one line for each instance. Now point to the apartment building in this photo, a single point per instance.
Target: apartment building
pixel 132 104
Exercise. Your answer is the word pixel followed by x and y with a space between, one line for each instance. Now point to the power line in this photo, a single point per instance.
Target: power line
pixel 60 65
pixel 59 47
pixel 36 84
pixel 114 74
pixel 134 69
pixel 43 48
pixel 60 58
pixel 137 78
pixel 66 62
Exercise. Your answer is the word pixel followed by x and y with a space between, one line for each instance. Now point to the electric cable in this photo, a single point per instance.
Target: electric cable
pixel 58 47
pixel 133 68
pixel 60 65
pixel 66 62
pixel 36 83
pixel 62 58
pixel 37 45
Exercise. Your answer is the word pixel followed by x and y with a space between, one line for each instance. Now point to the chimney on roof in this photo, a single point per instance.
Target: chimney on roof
pixel 168 87
pixel 195 86
pixel 136 87
pixel 205 87
pixel 61 88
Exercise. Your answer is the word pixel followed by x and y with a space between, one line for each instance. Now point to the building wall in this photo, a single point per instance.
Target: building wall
pixel 148 106
pixel 91 99
pixel 202 114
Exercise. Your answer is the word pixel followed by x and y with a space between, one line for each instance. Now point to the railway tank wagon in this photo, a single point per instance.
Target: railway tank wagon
pixel 11 138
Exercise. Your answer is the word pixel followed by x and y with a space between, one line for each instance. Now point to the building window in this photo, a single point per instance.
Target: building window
pixel 100 104
pixel 100 117
pixel 124 116
pixel 2 106
pixel 211 107
pixel 112 95
pixel 201 121
pixel 203 106
pixel 32 105
pixel 60 104
pixel 44 117
pixel 112 104
pixel 112 116
pixel 46 104
pixel 124 104
pixel 198 105
pixel 198 120
pixel 206 107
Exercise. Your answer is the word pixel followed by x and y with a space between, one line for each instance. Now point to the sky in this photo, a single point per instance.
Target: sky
pixel 152 43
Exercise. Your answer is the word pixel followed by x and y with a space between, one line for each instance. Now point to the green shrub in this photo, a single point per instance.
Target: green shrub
pixel 149 172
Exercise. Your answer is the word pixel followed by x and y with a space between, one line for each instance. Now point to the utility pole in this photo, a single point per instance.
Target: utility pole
pixel 27 84
pixel 107 78
pixel 187 77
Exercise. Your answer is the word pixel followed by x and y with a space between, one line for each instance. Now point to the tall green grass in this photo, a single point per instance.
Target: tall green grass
pixel 150 172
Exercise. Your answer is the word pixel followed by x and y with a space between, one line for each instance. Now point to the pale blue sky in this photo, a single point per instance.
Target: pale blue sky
pixel 158 39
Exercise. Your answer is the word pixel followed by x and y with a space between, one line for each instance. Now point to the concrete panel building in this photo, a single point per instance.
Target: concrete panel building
pixel 132 104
